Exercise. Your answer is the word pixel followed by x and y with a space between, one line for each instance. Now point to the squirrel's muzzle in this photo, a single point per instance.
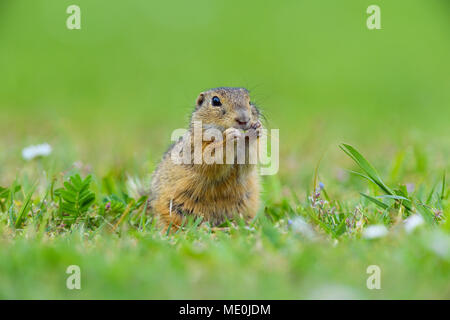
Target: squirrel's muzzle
pixel 243 118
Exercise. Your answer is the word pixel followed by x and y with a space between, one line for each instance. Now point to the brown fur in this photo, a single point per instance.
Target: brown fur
pixel 211 191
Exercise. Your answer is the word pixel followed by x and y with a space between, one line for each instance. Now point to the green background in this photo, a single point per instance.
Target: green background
pixel 109 95
pixel 132 73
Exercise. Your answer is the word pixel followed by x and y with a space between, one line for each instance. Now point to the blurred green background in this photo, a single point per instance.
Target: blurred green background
pixel 113 91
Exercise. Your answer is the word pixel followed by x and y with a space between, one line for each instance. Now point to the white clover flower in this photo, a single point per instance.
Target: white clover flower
pixel 299 225
pixel 413 222
pixel 375 231
pixel 40 150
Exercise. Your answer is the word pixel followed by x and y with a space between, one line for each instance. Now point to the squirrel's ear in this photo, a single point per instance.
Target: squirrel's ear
pixel 200 99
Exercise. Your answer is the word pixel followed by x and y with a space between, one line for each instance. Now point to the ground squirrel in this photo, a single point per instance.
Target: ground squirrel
pixel 215 191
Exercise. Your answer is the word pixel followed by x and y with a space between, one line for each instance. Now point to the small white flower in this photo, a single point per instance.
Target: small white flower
pixel 413 222
pixel 40 150
pixel 375 231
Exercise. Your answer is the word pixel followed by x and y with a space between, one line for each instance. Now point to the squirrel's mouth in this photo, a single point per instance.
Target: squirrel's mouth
pixel 242 125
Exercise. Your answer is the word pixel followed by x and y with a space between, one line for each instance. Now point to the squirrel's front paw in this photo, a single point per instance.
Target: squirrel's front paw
pixel 232 134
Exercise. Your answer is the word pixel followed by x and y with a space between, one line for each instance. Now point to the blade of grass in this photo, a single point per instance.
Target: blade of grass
pixel 430 195
pixel 443 186
pixel 143 217
pixel 426 213
pixel 377 202
pixel 361 175
pixel 125 213
pixel 394 197
pixel 24 208
pixel 316 172
pixel 365 166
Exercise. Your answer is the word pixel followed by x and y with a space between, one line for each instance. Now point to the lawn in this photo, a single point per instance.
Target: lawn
pixel 364 147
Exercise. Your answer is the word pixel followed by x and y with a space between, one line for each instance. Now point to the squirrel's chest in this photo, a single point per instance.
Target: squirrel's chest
pixel 215 199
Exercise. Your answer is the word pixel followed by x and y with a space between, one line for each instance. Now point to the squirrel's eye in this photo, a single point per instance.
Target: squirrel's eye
pixel 216 101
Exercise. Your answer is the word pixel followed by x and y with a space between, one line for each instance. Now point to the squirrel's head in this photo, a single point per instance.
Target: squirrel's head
pixel 224 108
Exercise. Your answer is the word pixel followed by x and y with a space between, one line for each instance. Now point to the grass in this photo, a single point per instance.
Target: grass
pixel 311 248
pixel 363 118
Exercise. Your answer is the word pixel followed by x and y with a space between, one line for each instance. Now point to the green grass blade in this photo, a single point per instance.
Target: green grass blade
pixel 443 186
pixel 426 213
pixel 24 208
pixel 377 202
pixel 365 166
pixel 362 175
pixel 394 197
pixel 430 195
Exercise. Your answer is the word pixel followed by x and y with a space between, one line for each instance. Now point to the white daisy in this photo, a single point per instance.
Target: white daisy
pixel 299 225
pixel 375 231
pixel 413 222
pixel 40 150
